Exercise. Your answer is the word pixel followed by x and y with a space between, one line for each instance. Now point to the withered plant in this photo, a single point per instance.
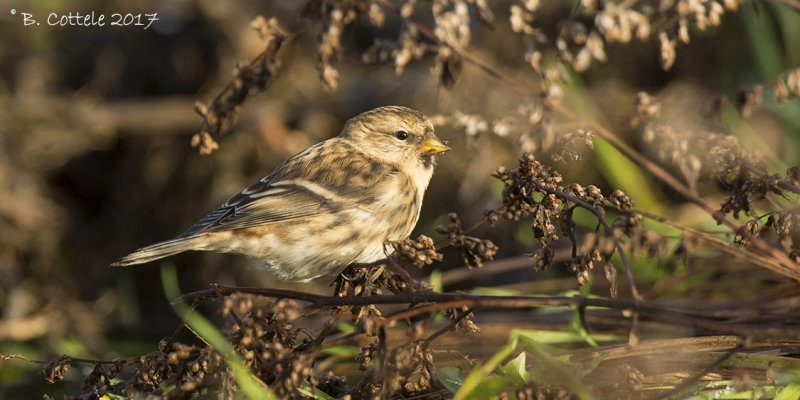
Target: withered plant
pixel 391 331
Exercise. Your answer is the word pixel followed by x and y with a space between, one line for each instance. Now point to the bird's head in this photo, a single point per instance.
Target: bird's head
pixel 395 134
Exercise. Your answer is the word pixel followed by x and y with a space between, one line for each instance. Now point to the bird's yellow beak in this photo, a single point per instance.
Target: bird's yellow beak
pixel 433 145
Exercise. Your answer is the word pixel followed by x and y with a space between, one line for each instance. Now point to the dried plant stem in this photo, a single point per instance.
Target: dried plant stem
pixel 444 301
pixel 249 78
pixel 738 252
pixel 20 357
pixel 429 33
pixel 698 376
pixel 785 266
pixel 622 256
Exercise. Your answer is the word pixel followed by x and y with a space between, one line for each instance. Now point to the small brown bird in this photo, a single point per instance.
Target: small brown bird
pixel 329 206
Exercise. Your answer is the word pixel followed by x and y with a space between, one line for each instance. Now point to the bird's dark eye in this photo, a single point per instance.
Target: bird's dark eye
pixel 402 135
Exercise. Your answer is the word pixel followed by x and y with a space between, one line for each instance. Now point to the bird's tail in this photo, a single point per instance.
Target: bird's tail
pixel 160 250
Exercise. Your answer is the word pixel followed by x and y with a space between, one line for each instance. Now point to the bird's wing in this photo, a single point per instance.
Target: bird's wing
pixel 320 180
pixel 271 204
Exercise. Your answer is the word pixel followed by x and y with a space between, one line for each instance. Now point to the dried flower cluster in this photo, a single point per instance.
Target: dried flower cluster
pixel 710 155
pixel 474 251
pixel 187 370
pixel 268 335
pixel 406 49
pixel 452 32
pixel 263 331
pixel 579 42
pixel 696 155
pixel 534 190
pixel 751 186
pixel 531 126
pixel 409 370
pixel 55 370
pixel 742 175
pixel 420 252
pixel 265 338
pixel 787 86
pixel 333 17
pixel 249 78
pixel 786 225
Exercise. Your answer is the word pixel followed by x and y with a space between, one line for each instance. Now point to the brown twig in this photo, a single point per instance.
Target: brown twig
pixel 698 376
pixel 20 357
pixel 250 77
pixel 449 326
pixel 433 302
pixel 738 252
pixel 601 218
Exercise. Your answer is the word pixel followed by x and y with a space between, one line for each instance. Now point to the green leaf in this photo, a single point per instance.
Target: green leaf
pixel 450 377
pixel 345 327
pixel 577 328
pixel 624 174
pixel 477 382
pixel 549 368
pixel 790 392
pixel 784 375
pixel 515 371
pixel 316 394
pixel 764 42
pixel 341 350
pixel 489 388
pixel 110 396
pixel 560 337
pixel 436 281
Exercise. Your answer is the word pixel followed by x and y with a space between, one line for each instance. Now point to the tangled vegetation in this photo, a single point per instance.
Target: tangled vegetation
pixel 674 275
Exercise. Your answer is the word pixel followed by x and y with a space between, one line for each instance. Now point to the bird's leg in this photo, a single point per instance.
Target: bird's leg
pixel 354 276
pixel 382 263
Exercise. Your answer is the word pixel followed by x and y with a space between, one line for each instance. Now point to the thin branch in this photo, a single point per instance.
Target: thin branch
pixel 433 302
pixel 250 77
pixel 787 267
pixel 738 252
pixel 698 376
pixel 4 357
pixel 449 326
pixel 600 217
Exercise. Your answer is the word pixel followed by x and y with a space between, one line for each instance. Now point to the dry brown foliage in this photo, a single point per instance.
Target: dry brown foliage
pixel 386 333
